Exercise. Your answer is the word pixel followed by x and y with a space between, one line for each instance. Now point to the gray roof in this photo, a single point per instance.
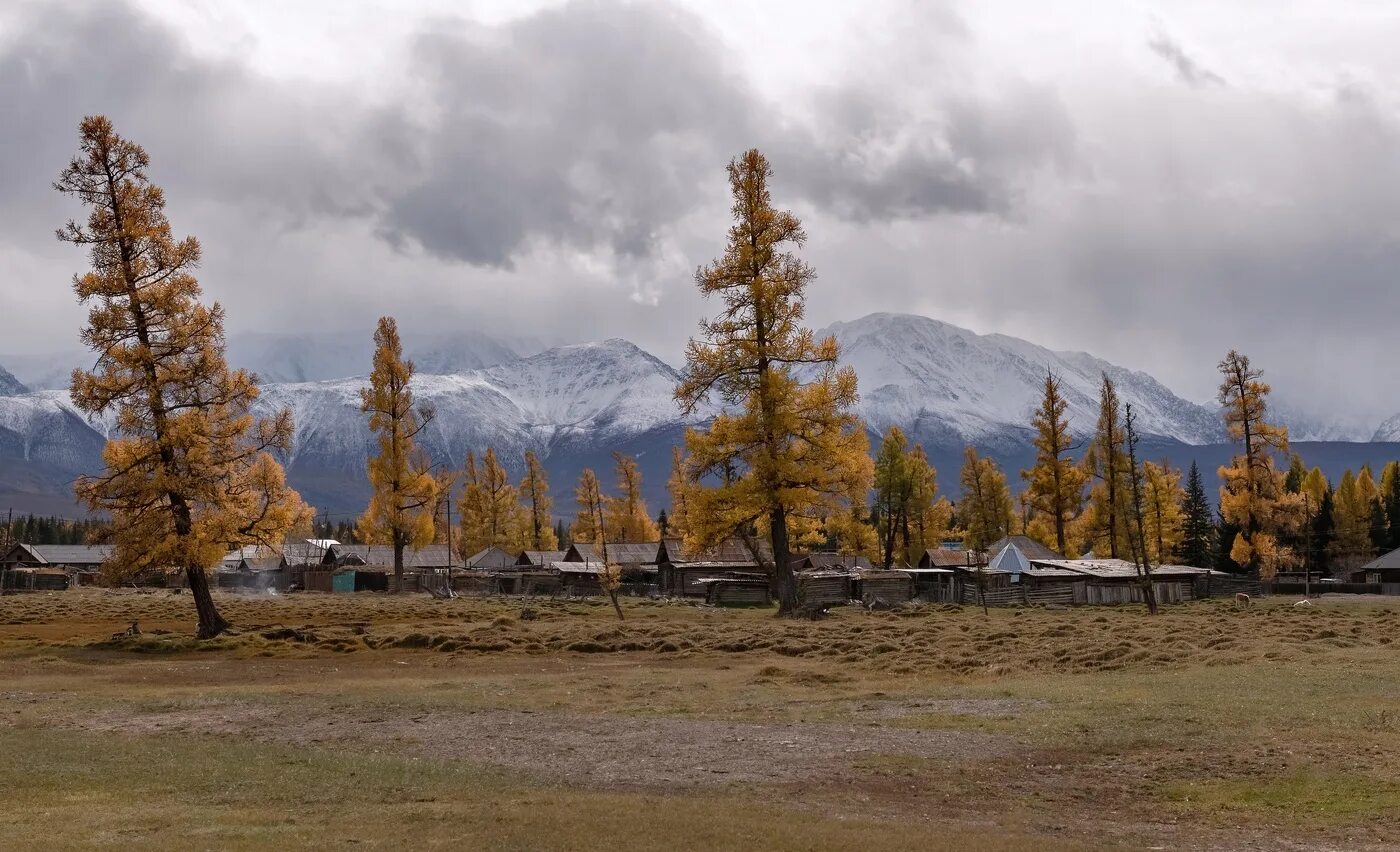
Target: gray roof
pixel 729 550
pixel 1010 559
pixel 540 557
pixel 631 552
pixel 1387 562
pixel 306 551
pixel 66 554
pixel 428 556
pixel 581 551
pixel 1112 568
pixel 943 557
pixel 1031 548
pixel 490 558
pixel 822 561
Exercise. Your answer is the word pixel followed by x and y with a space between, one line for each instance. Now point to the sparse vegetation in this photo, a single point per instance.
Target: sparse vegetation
pixel 1249 727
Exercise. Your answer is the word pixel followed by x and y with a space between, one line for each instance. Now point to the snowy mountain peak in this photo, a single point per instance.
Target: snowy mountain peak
pixel 943 382
pixel 9 385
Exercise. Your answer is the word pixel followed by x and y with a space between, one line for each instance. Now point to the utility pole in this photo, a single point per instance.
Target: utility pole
pixel 447 505
pixel 1307 555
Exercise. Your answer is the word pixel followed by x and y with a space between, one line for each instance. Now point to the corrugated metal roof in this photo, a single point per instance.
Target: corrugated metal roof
pixel 69 554
pixel 428 556
pixel 540 557
pixel 944 557
pixel 821 561
pixel 1113 568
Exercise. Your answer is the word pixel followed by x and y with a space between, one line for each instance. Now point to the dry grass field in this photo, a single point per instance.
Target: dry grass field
pixel 374 721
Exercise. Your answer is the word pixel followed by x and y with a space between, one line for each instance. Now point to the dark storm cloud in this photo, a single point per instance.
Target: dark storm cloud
pixel 1188 70
pixel 592 126
pixel 599 124
pixel 218 131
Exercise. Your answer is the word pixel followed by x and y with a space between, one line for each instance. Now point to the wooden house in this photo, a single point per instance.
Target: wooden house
pixel 1115 581
pixel 680 569
pixel 490 559
pixel 1384 570
pixel 540 558
pixel 51 567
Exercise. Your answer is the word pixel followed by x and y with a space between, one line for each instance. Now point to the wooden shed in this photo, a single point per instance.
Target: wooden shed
pixel 889 587
pixel 736 591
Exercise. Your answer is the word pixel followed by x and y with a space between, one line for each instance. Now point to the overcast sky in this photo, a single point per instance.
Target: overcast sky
pixel 1151 182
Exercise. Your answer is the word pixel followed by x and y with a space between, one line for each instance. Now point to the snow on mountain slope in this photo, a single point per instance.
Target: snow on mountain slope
pixel 9 385
pixel 943 382
pixel 1388 430
pixel 599 391
pixel 332 355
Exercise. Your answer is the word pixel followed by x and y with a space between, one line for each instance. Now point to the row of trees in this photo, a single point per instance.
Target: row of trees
pixel 36 529
pixel 191 472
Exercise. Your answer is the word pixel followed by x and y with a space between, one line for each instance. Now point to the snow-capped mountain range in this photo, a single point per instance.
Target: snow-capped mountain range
pixel 574 405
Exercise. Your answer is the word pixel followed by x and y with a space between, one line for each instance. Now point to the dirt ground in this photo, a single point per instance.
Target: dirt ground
pixel 1207 727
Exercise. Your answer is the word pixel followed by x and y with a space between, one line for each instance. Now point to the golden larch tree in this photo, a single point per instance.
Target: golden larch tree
pixel 788 433
pixel 1163 497
pixel 1252 496
pixel 534 492
pixel 678 487
pixel 190 471
pixel 588 521
pixel 625 518
pixel 1055 484
pixel 490 508
pixel 1103 525
pixel 1351 522
pixel 930 515
pixel 985 508
pixel 403 490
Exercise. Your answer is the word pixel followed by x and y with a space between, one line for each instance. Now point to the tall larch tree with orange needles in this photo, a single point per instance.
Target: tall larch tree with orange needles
pixel 1055 484
pixel 534 492
pixel 1252 496
pixel 490 508
pixel 404 492
pixel 190 471
pixel 625 516
pixel 788 436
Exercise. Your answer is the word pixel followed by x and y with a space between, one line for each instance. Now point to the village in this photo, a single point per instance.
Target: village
pixel 1015 570
pixel 1014 598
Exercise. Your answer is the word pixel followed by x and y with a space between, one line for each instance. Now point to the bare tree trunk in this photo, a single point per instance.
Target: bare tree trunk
pixel 398 567
pixel 617 607
pixel 785 579
pixel 211 624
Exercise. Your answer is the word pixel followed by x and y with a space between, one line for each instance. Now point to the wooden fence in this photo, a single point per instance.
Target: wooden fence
pixel 1018 595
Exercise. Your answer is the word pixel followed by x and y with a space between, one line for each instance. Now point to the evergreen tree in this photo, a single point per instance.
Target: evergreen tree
pixel 789 438
pixel 190 469
pixel 404 491
pixel 1197 528
pixel 1324 532
pixel 1054 491
pixel 1390 500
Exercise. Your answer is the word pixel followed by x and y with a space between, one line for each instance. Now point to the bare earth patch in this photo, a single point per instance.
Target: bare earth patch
pixel 576 748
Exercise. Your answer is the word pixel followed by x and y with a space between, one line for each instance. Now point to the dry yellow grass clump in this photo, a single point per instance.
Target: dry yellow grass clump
pixel 945 638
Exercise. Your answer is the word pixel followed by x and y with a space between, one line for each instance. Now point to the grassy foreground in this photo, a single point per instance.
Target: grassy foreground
pixel 381 722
